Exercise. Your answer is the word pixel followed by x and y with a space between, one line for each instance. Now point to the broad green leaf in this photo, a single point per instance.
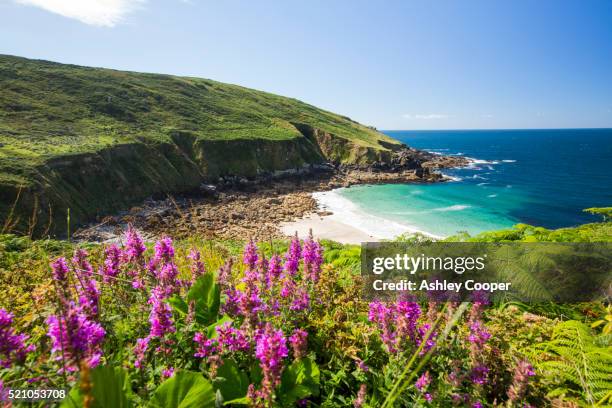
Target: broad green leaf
pixel 207 297
pixel 110 388
pixel 238 401
pixel 231 381
pixel 299 380
pixel 179 306
pixel 185 389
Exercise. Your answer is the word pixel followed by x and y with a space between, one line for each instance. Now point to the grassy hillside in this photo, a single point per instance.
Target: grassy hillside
pixel 96 140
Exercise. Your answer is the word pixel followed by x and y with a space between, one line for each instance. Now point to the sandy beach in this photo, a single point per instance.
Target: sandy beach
pixel 326 227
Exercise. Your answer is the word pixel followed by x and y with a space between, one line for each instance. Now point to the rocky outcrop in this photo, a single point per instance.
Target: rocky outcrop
pixel 237 207
pixel 75 189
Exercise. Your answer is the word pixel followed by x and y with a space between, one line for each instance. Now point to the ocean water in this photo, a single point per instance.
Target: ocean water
pixel 539 177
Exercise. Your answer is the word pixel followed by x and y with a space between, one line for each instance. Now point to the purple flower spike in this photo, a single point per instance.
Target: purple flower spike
pixel 423 382
pixel 232 339
pixel 134 246
pixel 301 301
pixel 270 350
pixel 197 266
pixel 206 347
pixel 520 381
pixel 479 374
pixel 12 345
pixel 60 270
pixel 160 316
pixel 249 257
pixel 292 257
pixel 74 337
pixel 313 258
pixel 164 251
pixel 140 350
pixel 110 269
pixel 299 343
pixel 361 396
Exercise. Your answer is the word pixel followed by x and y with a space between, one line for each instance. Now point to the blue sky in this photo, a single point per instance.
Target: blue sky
pixel 391 64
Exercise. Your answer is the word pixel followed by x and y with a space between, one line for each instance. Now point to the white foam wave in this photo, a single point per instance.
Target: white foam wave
pixel 348 213
pixel 482 184
pixel 509 161
pixel 492 195
pixel 452 178
pixel 475 164
pixel 456 207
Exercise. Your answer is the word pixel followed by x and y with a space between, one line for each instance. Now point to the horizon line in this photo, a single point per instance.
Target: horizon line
pixel 490 129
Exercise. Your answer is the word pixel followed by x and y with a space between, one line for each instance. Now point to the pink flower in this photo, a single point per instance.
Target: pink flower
pixel 422 333
pixel 134 245
pixel 160 316
pixel 423 381
pixel 110 269
pixel 292 257
pixel 520 381
pixel 168 279
pixel 87 287
pixel 168 372
pixel 313 258
pixel 249 257
pixel 301 300
pixel 197 266
pixel 478 333
pixel 75 337
pixel 299 343
pixel 232 339
pixel 79 260
pixel 270 350
pixel 206 347
pixel 361 396
pixel 59 269
pixel 140 351
pixel 12 345
pixel 164 251
pixel 225 273
pixel 362 365
pixel 384 316
pixel 275 269
pixel 479 374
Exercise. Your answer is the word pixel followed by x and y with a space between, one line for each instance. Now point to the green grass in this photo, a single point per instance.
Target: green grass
pixel 98 140
pixel 49 109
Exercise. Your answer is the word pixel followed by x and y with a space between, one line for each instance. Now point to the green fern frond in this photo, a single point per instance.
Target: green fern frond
pixel 572 356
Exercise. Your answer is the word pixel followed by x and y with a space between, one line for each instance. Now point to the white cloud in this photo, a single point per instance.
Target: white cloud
pixel 427 116
pixel 103 13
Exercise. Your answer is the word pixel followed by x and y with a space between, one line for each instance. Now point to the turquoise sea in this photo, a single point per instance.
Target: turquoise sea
pixel 540 177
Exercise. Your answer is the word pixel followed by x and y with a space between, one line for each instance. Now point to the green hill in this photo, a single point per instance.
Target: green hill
pixel 97 140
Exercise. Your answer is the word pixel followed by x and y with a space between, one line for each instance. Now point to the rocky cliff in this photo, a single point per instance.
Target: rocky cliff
pixel 91 141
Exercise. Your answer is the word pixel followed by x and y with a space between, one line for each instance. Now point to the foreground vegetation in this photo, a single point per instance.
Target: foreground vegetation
pixel 204 322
